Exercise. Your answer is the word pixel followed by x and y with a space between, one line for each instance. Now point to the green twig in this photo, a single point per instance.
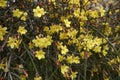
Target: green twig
pixel 28 51
pixel 53 74
pixel 17 76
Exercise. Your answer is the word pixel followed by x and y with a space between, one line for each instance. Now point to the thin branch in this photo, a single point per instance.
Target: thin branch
pixel 28 52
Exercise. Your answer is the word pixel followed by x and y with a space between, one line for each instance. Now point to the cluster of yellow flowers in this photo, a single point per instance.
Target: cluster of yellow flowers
pixel 65 71
pixel 71 33
pixel 114 61
pixel 52 1
pixel 66 33
pixel 95 13
pixel 62 48
pixel 13 42
pixel 74 2
pixel 89 43
pixel 20 14
pixel 73 59
pixel 42 42
pixel 38 12
pixel 53 29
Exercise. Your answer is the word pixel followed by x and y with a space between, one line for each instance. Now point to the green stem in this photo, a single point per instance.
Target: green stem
pixel 53 74
pixel 28 51
pixel 15 75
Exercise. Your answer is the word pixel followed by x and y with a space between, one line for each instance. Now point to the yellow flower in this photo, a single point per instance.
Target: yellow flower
pixel 73 75
pixel 95 69
pixel 117 10
pixel 76 59
pixel 17 13
pixel 42 42
pixel 107 78
pixel 105 49
pixel 72 33
pixel 86 1
pixel 21 30
pixel 59 44
pixel 60 57
pixel 102 12
pixel 77 12
pixel 55 28
pixel 67 22
pixel 82 30
pixel 46 29
pixel 71 41
pixel 23 77
pixel 97 48
pixel 6 69
pixel 3 3
pixel 118 59
pixel 24 16
pixel 64 50
pixel 2 66
pixel 117 28
pixel 73 59
pixel 38 12
pixel 64 69
pixel 88 44
pixel 113 61
pixel 20 14
pixel 30 0
pixel 13 42
pixel 69 59
pixel 93 13
pixel 31 45
pixel 52 1
pixel 74 2
pixel 38 42
pixel 83 16
pixel 62 18
pixel 98 41
pixel 48 40
pixel 38 78
pixel 84 55
pixel 2 32
pixel 40 54
pixel 108 30
pixel 63 35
